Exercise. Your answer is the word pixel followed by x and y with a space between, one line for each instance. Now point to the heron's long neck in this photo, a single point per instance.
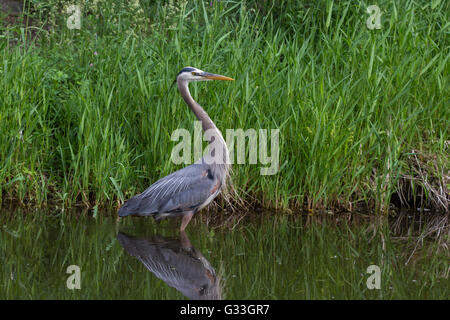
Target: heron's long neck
pixel 207 123
pixel 201 114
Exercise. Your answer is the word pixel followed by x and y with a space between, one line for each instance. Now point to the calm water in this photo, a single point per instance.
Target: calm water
pixel 269 256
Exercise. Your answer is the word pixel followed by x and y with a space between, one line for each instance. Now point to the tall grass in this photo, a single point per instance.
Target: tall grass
pixel 86 115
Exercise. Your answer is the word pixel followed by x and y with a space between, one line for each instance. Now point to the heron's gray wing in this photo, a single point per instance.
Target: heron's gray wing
pixel 180 191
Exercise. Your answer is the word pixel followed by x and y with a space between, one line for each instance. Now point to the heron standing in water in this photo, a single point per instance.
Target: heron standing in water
pixel 186 191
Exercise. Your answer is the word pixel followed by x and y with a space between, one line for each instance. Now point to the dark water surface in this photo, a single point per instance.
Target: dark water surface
pixel 268 256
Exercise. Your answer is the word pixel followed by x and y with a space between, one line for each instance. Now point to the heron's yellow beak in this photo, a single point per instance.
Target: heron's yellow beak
pixel 213 76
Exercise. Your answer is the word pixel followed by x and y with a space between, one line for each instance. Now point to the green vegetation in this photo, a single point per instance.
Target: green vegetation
pixel 86 115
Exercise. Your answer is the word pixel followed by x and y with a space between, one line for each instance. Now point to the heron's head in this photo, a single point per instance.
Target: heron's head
pixel 190 74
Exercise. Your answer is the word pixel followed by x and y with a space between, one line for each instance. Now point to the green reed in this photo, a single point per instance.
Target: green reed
pixel 359 110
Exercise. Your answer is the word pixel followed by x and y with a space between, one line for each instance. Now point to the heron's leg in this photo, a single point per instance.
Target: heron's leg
pixel 185 243
pixel 186 218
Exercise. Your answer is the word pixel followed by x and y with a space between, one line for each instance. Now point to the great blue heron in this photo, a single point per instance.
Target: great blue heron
pixel 186 191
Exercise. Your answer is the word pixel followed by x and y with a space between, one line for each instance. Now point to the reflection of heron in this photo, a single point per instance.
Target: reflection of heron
pixel 177 263
pixel 188 190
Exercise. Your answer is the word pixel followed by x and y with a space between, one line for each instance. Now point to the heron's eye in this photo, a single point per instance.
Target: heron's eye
pixel 195 73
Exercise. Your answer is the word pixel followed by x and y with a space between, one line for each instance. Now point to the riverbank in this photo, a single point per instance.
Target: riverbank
pixel 86 114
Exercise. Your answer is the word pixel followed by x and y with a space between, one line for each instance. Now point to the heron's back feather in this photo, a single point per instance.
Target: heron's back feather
pixel 182 191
